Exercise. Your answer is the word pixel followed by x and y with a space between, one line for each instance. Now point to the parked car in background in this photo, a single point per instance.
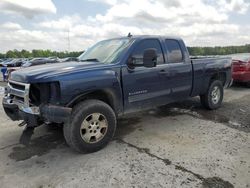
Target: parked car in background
pixel 241 68
pixel 68 59
pixel 40 61
pixel 15 63
pixel 4 62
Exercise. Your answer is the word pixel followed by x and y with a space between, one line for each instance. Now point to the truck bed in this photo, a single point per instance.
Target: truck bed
pixel 204 67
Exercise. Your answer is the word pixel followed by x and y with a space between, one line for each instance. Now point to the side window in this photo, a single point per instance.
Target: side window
pixel 174 51
pixel 143 45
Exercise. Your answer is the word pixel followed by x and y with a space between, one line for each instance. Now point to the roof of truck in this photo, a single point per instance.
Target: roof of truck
pixel 155 36
pixel 149 36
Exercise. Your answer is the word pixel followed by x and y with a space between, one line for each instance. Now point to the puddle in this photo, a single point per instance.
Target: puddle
pixel 232 114
pixel 176 109
pixel 216 182
pixel 38 146
pixel 26 136
pixel 212 116
pixel 126 126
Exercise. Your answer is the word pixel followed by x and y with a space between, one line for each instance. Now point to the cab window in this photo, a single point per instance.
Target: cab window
pixel 145 44
pixel 174 51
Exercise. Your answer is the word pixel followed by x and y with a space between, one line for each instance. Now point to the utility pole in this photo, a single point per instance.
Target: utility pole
pixel 68 39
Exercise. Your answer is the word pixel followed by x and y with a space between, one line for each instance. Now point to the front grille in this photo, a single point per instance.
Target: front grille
pixel 19 93
pixel 17 86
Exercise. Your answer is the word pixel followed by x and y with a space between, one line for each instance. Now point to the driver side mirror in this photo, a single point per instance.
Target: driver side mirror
pixel 150 58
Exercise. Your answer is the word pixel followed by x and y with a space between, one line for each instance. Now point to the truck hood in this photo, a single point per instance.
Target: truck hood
pixel 48 72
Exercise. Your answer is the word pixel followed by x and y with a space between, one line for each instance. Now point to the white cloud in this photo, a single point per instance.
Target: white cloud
pixel 199 22
pixel 27 8
pixel 239 6
pixel 10 26
pixel 31 39
pixel 64 23
pixel 187 10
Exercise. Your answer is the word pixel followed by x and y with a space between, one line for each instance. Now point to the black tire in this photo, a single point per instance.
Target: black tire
pixel 80 112
pixel 207 100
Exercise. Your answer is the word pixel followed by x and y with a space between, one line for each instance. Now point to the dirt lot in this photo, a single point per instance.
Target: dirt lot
pixel 180 145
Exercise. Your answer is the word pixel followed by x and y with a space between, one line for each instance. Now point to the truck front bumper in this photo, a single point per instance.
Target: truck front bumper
pixel 36 115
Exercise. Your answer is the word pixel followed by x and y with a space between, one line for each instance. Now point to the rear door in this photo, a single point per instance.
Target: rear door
pixel 180 69
pixel 145 87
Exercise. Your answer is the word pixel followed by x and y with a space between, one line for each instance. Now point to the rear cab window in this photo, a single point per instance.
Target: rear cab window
pixel 174 54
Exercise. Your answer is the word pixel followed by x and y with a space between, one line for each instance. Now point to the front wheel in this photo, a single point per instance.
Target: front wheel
pixel 212 99
pixel 92 126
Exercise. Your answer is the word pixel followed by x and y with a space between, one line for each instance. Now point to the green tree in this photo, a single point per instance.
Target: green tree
pixel 11 54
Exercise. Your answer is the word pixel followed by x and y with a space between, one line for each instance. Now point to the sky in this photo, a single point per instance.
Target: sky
pixel 74 25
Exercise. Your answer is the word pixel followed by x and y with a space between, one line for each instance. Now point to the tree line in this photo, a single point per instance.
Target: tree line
pixel 194 51
pixel 218 50
pixel 38 53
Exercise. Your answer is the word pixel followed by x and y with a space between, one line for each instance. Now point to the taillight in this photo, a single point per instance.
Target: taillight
pixel 239 66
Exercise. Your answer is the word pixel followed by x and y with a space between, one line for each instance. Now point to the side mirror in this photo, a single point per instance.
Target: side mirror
pixel 150 58
pixel 131 63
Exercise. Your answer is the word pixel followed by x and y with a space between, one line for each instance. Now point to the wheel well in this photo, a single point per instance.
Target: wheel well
pixel 219 76
pixel 99 95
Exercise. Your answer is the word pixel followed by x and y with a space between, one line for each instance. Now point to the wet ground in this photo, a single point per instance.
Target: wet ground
pixel 178 145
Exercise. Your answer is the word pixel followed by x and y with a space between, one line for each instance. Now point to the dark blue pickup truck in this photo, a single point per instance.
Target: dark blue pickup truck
pixel 113 77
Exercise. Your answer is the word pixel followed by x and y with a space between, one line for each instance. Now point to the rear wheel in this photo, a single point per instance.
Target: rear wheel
pixel 92 126
pixel 212 99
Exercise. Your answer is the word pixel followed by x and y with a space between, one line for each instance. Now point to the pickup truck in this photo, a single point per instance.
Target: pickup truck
pixel 112 78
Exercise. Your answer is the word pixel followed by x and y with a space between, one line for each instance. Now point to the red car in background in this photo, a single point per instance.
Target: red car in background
pixel 241 68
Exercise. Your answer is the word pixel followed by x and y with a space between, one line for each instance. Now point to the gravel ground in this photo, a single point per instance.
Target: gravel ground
pixel 179 145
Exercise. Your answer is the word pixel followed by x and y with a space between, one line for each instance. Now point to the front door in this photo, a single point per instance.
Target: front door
pixel 145 87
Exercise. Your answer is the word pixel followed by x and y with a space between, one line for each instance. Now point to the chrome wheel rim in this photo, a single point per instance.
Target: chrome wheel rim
pixel 94 127
pixel 215 94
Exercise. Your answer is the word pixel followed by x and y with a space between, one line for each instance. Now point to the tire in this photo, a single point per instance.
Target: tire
pixel 92 125
pixel 208 100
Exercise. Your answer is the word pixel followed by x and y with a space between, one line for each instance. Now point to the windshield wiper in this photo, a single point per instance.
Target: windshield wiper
pixel 92 59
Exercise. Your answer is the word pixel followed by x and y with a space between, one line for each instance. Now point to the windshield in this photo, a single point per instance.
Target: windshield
pixel 106 51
